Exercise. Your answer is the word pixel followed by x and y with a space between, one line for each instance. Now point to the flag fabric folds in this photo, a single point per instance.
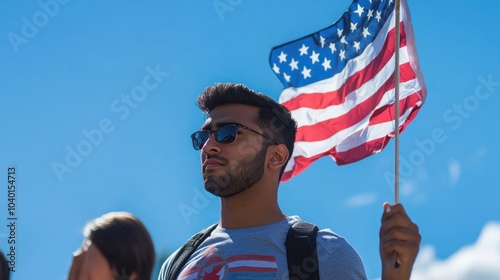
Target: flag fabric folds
pixel 339 84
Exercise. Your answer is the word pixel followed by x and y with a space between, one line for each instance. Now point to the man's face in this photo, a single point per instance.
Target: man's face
pixel 229 169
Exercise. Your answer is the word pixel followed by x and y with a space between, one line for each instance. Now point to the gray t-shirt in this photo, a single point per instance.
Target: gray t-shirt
pixel 260 253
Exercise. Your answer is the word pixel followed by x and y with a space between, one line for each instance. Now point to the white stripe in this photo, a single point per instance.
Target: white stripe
pixel 373 132
pixel 290 164
pixel 309 116
pixel 252 263
pixel 355 65
pixel 388 98
pixel 311 148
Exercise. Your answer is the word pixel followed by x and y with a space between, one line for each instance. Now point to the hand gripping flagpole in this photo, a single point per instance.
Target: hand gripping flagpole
pixel 396 108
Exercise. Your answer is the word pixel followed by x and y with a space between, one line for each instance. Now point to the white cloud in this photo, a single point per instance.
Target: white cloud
pixel 479 154
pixel 362 199
pixel 454 171
pixel 480 260
pixel 407 187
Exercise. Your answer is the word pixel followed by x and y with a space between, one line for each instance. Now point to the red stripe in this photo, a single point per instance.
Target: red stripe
pixel 218 259
pixel 357 153
pixel 251 258
pixel 251 269
pixel 301 163
pixel 366 149
pixel 326 99
pixel 325 129
pixel 360 152
pixel 382 115
pixel 190 270
pixel 386 113
pixel 370 147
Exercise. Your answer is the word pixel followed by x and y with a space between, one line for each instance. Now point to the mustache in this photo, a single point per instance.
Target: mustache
pixel 219 158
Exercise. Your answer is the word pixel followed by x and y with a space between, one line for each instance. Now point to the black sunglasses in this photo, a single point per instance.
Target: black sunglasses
pixel 225 134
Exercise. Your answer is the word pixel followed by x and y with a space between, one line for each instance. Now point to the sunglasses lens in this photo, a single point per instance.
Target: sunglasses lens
pixel 226 134
pixel 199 138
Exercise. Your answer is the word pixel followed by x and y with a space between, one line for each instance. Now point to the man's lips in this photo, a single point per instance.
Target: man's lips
pixel 210 164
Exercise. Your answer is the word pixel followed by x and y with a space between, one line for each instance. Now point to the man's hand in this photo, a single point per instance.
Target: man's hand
pixel 399 243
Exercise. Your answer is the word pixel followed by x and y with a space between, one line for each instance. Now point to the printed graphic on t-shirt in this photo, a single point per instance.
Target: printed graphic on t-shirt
pixel 213 266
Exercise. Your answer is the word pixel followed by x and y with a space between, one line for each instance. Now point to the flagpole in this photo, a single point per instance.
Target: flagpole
pixel 396 109
pixel 396 102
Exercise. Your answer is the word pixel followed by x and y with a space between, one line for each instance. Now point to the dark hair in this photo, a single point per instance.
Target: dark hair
pixel 274 119
pixel 125 243
pixel 4 267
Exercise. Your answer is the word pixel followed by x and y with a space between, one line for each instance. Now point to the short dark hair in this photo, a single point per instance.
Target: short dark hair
pixel 125 243
pixel 4 267
pixel 274 119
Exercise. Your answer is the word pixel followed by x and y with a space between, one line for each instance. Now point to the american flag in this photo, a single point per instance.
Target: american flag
pixel 213 266
pixel 339 84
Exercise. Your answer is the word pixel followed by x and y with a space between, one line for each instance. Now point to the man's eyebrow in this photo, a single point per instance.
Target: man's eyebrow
pixel 213 126
pixel 206 126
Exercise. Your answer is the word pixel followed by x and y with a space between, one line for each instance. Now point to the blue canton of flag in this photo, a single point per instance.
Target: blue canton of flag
pixel 323 54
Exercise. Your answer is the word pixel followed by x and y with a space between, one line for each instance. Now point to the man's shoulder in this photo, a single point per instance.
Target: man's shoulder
pixel 326 234
pixel 329 241
pixel 337 258
pixel 335 245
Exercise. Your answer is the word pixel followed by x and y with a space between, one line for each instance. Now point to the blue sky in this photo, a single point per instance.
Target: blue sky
pixel 69 69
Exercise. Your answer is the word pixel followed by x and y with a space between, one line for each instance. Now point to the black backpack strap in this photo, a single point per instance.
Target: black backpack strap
pixel 301 253
pixel 187 250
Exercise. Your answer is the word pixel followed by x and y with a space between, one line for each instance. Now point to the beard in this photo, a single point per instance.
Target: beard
pixel 239 177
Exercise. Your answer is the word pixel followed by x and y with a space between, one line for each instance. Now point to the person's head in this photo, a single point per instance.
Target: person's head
pixel 117 246
pixel 260 124
pixel 4 267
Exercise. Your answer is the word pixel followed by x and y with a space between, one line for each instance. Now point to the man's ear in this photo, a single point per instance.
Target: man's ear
pixel 279 157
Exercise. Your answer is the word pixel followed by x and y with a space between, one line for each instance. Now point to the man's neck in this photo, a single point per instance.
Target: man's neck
pixel 256 206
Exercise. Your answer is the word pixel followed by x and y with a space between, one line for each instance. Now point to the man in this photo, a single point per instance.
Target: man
pixel 246 142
